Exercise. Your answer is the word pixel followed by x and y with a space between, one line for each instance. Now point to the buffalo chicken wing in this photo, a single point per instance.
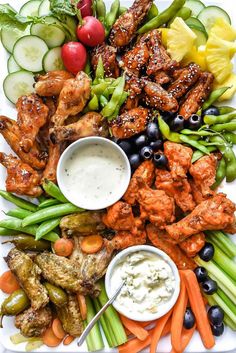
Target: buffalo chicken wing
pixel 179 159
pixel 192 245
pixel 120 217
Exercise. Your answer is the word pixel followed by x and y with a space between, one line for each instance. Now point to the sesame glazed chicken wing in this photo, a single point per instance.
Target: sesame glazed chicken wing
pixel 133 86
pixel 179 159
pixel 130 123
pixel 144 171
pixel 51 83
pixel 21 178
pixel 108 55
pixel 216 213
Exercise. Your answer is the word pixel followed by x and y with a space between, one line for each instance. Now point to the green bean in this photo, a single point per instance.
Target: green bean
pixel 100 87
pixel 42 198
pixel 18 201
pixel 231 126
pixel 110 89
pixel 153 12
pixel 225 109
pixel 110 108
pixel 121 102
pixel 184 13
pixel 5 231
pixel 46 227
pixel 165 130
pixel 54 191
pixel 219 119
pixel 193 143
pixel 214 96
pixel 197 133
pixel 48 203
pixel 87 68
pixel 101 10
pixel 15 224
pixel 99 74
pixel 122 10
pixel 163 17
pixel 220 173
pixel 103 101
pixel 19 213
pixel 27 242
pixel 93 104
pixel 229 157
pixel 112 15
pixel 230 137
pixel 198 154
pixel 49 213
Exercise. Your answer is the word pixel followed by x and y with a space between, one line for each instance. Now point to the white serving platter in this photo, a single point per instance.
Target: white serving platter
pixel 225 343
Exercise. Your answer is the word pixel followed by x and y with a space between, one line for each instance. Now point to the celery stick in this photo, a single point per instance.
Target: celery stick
pixel 112 317
pixel 229 323
pixel 224 307
pixel 227 245
pixel 88 338
pixel 224 282
pixel 108 333
pixel 216 242
pixel 95 333
pixel 227 300
pixel 227 265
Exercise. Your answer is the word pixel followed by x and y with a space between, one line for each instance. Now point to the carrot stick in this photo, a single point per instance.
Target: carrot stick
pixel 135 328
pixel 50 339
pixel 58 329
pixel 8 282
pixel 198 308
pixel 145 323
pixel 185 338
pixel 167 327
pixel 178 317
pixel 68 339
pixel 135 345
pixel 157 331
pixel 82 306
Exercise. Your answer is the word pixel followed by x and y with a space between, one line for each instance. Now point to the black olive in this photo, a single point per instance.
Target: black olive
pixel 140 141
pixel 156 145
pixel 194 122
pixel 166 116
pixel 153 132
pixel 207 252
pixel 126 146
pixel 218 330
pixel 209 286
pixel 160 160
pixel 215 315
pixel 177 124
pixel 212 110
pixel 189 319
pixel 135 161
pixel 201 273
pixel 146 152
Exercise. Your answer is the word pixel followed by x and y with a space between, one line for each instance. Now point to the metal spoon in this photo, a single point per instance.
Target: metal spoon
pixel 97 316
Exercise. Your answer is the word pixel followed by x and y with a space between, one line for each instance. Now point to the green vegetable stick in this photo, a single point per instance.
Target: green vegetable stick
pixel 18 201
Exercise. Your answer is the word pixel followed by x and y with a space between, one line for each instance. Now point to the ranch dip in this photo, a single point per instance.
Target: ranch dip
pixel 149 282
pixel 94 174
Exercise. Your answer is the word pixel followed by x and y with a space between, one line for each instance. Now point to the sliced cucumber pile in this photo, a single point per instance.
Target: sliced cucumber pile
pixel 52 60
pixel 18 84
pixel 28 53
pixel 12 66
pixel 198 28
pixel 193 22
pixel 195 5
pixel 44 8
pixel 10 37
pixel 52 35
pixel 210 13
pixel 30 8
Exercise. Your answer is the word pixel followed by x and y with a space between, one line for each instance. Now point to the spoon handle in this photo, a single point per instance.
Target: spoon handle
pixel 97 316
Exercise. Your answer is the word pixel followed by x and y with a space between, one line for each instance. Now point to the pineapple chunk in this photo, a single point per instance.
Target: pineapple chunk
pixel 180 39
pixel 197 56
pixel 230 82
pixel 219 53
pixel 164 33
pixel 223 30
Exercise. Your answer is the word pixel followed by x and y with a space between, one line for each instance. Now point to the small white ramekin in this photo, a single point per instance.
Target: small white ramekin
pixel 165 307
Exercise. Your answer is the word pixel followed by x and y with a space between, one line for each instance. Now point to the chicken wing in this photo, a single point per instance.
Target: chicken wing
pixel 203 172
pixel 161 77
pixel 161 240
pixel 73 98
pixel 120 217
pixel 185 81
pixel 11 132
pixel 155 205
pixel 179 190
pixel 21 178
pixel 125 27
pixel 192 245
pixel 197 95
pixel 216 213
pixel 108 55
pixel 70 317
pixel 90 124
pixel 33 323
pixel 28 275
pixel 123 239
pixel 51 83
pixel 32 115
pixel 158 98
pixel 144 171
pixel 130 123
pixel 179 159
pixel 134 88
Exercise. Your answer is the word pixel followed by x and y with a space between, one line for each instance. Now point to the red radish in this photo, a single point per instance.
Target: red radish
pixel 85 7
pixel 91 32
pixel 74 56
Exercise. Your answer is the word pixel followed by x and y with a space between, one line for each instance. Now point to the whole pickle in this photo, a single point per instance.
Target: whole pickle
pixel 56 295
pixel 27 242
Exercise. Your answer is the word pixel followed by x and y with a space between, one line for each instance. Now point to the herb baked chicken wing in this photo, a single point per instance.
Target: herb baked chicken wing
pixel 51 83
pixel 33 323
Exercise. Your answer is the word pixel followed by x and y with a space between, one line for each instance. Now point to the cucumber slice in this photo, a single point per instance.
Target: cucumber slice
pixel 30 8
pixel 195 5
pixel 18 84
pixel 52 60
pixel 208 16
pixel 10 37
pixel 52 35
pixel 201 36
pixel 195 22
pixel 44 8
pixel 12 66
pixel 29 51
